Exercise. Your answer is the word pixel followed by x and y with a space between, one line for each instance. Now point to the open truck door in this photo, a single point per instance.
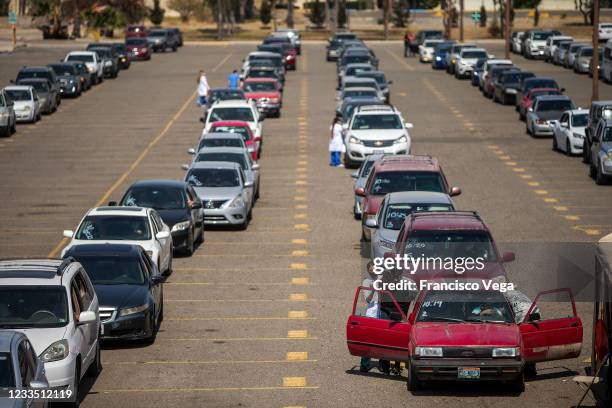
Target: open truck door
pixel 381 331
pixel 552 336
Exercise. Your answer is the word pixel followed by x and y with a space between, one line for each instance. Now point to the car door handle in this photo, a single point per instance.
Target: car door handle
pixel 354 323
pixel 575 324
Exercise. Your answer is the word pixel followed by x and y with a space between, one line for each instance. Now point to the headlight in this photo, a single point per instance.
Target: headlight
pixel 180 226
pixel 274 100
pixel 402 139
pixel 236 202
pixel 609 155
pixel 133 310
pixel 108 63
pixel 27 108
pixel 354 140
pixel 386 244
pixel 438 58
pixel 577 135
pixel 428 351
pixel 511 91
pixel 541 122
pixel 368 217
pixel 506 352
pixel 55 352
pixel 91 68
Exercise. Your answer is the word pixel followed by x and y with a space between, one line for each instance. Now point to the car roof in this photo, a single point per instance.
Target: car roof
pixel 448 220
pixel 26 69
pixel 428 197
pixel 357 79
pixel 159 183
pixel 230 123
pixel 553 98
pixel 473 49
pixel 232 103
pixel 264 54
pixel 375 109
pixel 359 88
pixel 539 78
pixel 578 111
pixel 118 210
pixel 251 79
pixel 42 80
pixel 215 165
pixel 222 149
pixel 104 249
pixel 221 135
pixel 405 162
pixel 81 53
pixel 18 87
pixel 42 271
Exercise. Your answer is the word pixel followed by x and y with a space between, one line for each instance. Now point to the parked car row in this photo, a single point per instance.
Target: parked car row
pixel 405 204
pixel 39 90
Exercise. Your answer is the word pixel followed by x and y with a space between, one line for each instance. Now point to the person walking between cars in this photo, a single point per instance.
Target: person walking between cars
pixel 336 145
pixel 233 80
pixel 409 43
pixel 202 88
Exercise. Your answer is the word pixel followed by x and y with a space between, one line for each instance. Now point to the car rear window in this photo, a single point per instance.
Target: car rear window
pixel 553 105
pixel 541 83
pixel 391 181
pixel 260 87
pixel 159 198
pixel 240 130
pixel 18 94
pixel 80 57
pixel 220 142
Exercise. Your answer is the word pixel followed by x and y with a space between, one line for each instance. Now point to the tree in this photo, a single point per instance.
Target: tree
pixel 483 16
pixel 185 8
pixel 249 9
pixel 341 16
pixel 289 19
pixel 133 10
pixel 317 14
pixel 401 12
pixel 585 7
pixel 156 14
pixel 265 13
pixel 529 4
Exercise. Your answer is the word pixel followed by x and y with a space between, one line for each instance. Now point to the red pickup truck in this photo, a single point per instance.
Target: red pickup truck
pixel 470 335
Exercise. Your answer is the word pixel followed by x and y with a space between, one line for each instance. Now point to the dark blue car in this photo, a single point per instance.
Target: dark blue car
pixel 477 71
pixel 439 58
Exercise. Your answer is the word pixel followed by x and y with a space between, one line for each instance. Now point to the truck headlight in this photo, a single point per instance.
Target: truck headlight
pixel 354 140
pixel 180 226
pixel 55 352
pixel 428 351
pixel 501 352
pixel 133 310
pixel 402 139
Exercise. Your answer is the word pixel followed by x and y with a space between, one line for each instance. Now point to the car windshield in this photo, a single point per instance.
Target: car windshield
pixel 213 178
pixel 354 93
pixel 474 54
pixel 352 71
pixel 541 93
pixel 220 142
pixel 113 270
pixel 80 57
pixel 465 306
pixel 135 41
pixel 239 130
pixel 586 52
pixel 430 44
pixel 350 108
pixel 262 63
pixel 33 74
pixel 270 61
pixel 365 122
pixel 451 244
pixel 607 135
pixel 354 59
pixel 33 306
pixel 158 198
pixel 541 83
pixel 378 77
pixel 157 34
pixel 515 77
pixel 540 35
pixel 260 87
pixel 395 213
pixel 63 69
pixel 443 47
pixel 120 48
pixel 102 52
pixel 553 105
pixel 227 95
pixel 237 158
pixel 41 87
pixel 114 227
pixel 6 371
pixel 262 73
pixel 564 45
pixel 580 120
pixel 19 94
pixel 366 168
pixel 392 181
pixel 241 114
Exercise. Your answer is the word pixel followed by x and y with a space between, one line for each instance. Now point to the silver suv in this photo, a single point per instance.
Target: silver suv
pixel 601 152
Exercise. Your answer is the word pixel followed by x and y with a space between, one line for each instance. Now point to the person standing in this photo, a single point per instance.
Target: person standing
pixel 336 144
pixel 373 308
pixel 202 88
pixel 409 44
pixel 233 80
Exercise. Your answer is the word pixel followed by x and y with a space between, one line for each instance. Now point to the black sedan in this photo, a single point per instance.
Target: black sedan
pixel 129 288
pixel 507 84
pixel 178 205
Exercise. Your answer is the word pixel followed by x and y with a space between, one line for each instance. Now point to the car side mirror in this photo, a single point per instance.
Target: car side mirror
pixel 112 203
pixel 508 257
pixel 248 184
pixel 163 234
pixel 360 192
pixel 255 166
pixel 68 233
pixel 530 110
pixel 534 317
pixel 562 89
pixel 191 151
pixel 409 125
pixel 185 167
pixel 157 280
pixel 390 82
pixel 454 191
pixel 565 125
pixel 345 126
pixel 87 317
pixel 196 205
pixel 202 120
pixel 371 223
pixel 38 384
pixel 355 175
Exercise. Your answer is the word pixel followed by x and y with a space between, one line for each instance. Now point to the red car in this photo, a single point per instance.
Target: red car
pixel 136 30
pixel 289 50
pixel 266 92
pixel 234 126
pixel 463 335
pixel 138 48
pixel 527 100
pixel 400 173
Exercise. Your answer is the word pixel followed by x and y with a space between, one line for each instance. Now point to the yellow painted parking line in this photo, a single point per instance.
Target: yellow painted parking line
pixel 300 281
pixel 299 198
pixel 299 241
pixel 533 183
pixel 540 192
pixel 301 190
pixel 518 169
pixel 234 318
pixel 402 94
pixel 493 146
pixel 299 252
pixel 297 356
pixel 572 218
pixel 301 169
pixel 504 157
pixel 510 163
pixel 159 390
pixel 297 359
pixel 223 61
pixel 302 227
pixel 290 337
pixel 297 314
pixel 298 297
pixel 587 230
pixel 300 216
pixel 298 266
pixel 292 382
pixel 561 208
pixel 300 206
pixel 526 176
pixel 297 334
pixel 551 200
pixel 400 60
pixel 302 162
pixel 301 183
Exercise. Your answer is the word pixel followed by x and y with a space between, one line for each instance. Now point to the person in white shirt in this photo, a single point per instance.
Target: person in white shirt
pixel 336 144
pixel 202 88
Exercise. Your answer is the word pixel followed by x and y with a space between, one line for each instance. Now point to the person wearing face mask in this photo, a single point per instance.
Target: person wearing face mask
pixel 202 88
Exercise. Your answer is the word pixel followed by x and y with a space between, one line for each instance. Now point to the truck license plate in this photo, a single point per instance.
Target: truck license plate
pixel 468 373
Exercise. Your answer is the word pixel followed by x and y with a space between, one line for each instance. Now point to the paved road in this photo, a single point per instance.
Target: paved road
pixel 257 318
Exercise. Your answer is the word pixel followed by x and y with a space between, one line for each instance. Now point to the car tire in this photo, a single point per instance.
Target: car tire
pixel 96 366
pixel 200 238
pixel 600 179
pixel 568 147
pixel 518 385
pixel 585 154
pixel 14 127
pixel 189 246
pixel 77 383
pixel 530 370
pixel 413 383
pixel 174 49
pixel 168 270
pixel 527 129
pixel 592 171
pixel 555 145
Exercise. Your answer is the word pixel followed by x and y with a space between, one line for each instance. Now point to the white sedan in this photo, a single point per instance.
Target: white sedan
pixel 427 49
pixel 126 225
pixel 569 131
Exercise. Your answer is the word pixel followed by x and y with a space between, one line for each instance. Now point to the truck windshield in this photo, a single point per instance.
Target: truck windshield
pixel 465 306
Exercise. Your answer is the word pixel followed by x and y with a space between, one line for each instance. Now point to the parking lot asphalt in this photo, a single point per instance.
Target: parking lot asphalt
pixel 257 318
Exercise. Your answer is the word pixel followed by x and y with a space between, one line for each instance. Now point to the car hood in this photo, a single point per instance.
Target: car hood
pixel 466 334
pixel 378 134
pixel 66 77
pixel 469 61
pixel 121 296
pixel 549 115
pixel 43 338
pixel 257 95
pixel 217 193
pixel 171 217
pixel 19 105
